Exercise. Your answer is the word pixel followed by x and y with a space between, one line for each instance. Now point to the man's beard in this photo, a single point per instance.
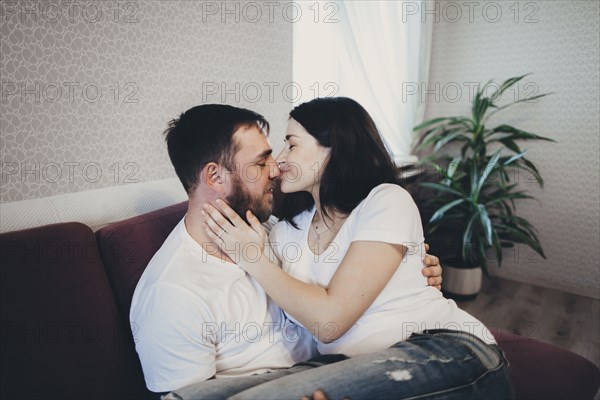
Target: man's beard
pixel 241 201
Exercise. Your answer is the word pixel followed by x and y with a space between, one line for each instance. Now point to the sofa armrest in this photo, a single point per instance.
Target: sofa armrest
pixel 545 371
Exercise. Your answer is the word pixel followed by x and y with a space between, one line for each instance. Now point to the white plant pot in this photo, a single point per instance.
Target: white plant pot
pixel 461 281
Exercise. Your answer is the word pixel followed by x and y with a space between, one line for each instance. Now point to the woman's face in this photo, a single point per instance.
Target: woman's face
pixel 302 161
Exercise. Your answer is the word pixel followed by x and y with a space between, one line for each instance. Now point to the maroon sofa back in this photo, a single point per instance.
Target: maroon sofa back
pixel 128 246
pixel 61 332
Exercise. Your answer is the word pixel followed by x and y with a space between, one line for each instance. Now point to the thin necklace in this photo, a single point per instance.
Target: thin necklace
pixel 315 227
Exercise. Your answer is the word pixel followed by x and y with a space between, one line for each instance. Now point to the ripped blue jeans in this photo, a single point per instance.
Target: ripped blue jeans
pixel 435 364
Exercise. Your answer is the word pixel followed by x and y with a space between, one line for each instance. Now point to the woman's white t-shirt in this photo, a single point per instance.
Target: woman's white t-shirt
pixel 406 304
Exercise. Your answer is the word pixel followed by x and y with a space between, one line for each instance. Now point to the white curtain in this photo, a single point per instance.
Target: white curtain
pixel 376 52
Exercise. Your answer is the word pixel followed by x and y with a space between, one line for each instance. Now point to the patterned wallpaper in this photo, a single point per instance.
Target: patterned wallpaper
pixel 87 88
pixel 558 41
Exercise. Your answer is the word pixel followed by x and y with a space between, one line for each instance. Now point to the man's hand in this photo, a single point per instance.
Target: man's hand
pixel 432 270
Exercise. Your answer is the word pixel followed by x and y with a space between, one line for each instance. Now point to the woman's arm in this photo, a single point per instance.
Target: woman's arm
pixel 328 312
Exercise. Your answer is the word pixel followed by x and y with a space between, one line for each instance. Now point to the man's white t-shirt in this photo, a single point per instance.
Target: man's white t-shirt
pixel 194 316
pixel 406 304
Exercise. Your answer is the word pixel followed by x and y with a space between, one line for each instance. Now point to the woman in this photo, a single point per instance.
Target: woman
pixel 352 276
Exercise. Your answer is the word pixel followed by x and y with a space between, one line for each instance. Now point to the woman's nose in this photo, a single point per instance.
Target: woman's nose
pixel 280 159
pixel 274 170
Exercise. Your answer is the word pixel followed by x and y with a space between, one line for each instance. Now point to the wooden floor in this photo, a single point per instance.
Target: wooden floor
pixel 564 319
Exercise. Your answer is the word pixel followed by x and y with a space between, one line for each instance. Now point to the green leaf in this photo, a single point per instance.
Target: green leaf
pixel 534 171
pixel 485 222
pixel 463 151
pixel 467 123
pixel 518 133
pixel 515 157
pixel 504 177
pixel 437 134
pixel 507 84
pixel 522 224
pixel 439 170
pixel 482 257
pixel 467 237
pixel 453 166
pixel 516 102
pixel 509 143
pixel 474 178
pixel 539 96
pixel 487 171
pixel 449 139
pixel 502 206
pixel 509 196
pixel 501 191
pixel 482 107
pixel 441 188
pixel 497 248
pixel 480 104
pixel 517 235
pixel 429 159
pixel 440 212
pixel 430 122
pixel 519 220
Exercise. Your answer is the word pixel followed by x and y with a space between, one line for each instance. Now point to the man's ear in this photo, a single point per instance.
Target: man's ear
pixel 212 175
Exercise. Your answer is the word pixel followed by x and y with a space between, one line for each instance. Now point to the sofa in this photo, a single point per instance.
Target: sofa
pixel 65 332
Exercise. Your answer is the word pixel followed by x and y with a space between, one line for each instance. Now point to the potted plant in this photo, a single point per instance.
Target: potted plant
pixel 472 195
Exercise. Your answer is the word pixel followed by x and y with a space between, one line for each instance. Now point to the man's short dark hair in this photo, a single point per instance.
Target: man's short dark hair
pixel 204 134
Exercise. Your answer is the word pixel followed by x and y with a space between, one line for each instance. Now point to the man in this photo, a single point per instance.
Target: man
pixel 197 314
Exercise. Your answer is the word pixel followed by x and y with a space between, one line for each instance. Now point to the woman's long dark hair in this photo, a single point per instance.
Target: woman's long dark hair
pixel 358 161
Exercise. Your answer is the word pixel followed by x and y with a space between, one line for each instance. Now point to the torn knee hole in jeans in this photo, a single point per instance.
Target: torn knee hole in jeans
pixel 411 361
pixel 399 375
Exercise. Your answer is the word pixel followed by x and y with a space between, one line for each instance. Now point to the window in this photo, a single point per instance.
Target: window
pixel 372 51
